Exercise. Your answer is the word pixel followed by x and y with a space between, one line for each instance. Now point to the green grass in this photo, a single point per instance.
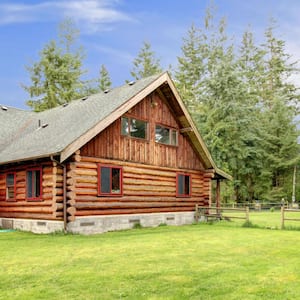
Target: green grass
pixel 219 261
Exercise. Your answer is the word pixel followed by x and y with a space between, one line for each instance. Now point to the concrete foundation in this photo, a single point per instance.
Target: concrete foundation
pixel 35 226
pixel 99 224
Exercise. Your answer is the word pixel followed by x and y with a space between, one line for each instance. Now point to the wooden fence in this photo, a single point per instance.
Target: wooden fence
pixel 285 212
pixel 221 213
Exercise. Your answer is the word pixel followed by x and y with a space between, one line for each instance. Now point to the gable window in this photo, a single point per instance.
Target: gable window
pixel 183 185
pixel 34 184
pixel 134 127
pixel 166 135
pixel 11 186
pixel 109 180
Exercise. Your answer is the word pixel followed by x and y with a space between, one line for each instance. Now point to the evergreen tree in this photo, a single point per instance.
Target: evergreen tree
pixel 145 64
pixel 104 80
pixel 55 78
pixel 279 99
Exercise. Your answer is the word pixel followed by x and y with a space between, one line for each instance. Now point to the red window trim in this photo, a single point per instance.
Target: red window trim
pixel 177 185
pixel 15 187
pixel 100 193
pixel 40 197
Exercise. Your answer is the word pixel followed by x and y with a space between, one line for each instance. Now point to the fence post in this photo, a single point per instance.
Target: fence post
pixel 196 213
pixel 247 213
pixel 282 217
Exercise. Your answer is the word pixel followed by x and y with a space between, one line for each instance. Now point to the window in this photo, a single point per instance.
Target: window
pixel 34 184
pixel 11 186
pixel 165 135
pixel 109 181
pixel 134 128
pixel 183 185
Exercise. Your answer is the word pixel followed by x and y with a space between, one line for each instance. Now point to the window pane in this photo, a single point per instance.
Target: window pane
pixel 115 184
pixel 186 185
pixel 174 138
pixel 138 129
pixel 105 180
pixel 37 186
pixel 10 179
pixel 124 126
pixel 10 192
pixel 29 184
pixel 162 134
pixel 180 184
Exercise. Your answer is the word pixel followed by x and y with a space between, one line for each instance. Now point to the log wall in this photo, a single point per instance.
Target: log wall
pixel 50 207
pixel 146 189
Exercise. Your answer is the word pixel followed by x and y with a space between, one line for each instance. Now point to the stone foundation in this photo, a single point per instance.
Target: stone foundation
pixel 100 224
pixel 35 226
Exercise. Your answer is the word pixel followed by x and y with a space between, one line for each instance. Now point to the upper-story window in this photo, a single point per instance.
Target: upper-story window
pixel 34 184
pixel 11 186
pixel 166 135
pixel 134 127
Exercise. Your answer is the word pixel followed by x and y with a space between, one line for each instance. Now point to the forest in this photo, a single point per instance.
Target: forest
pixel 240 95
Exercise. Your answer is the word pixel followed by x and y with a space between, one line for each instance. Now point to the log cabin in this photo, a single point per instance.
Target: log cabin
pixel 126 156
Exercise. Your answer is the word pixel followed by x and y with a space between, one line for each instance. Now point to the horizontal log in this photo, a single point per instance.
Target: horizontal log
pixel 48 183
pixel 27 215
pixel 86 179
pixel 83 191
pixel 137 205
pixel 88 172
pixel 25 203
pixel 86 165
pixel 132 211
pixel 24 209
pixel 144 182
pixel 20 196
pixel 86 185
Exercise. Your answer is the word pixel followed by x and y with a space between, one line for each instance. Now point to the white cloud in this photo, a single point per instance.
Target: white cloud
pixel 89 13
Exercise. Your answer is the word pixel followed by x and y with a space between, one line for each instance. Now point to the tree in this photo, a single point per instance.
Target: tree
pixel 55 78
pixel 279 99
pixel 145 64
pixel 238 98
pixel 104 80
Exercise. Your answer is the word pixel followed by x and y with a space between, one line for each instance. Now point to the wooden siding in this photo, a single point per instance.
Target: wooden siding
pixel 146 189
pixel 50 207
pixel 111 144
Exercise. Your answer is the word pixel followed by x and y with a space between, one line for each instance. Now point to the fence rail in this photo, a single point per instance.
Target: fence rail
pixel 284 212
pixel 220 213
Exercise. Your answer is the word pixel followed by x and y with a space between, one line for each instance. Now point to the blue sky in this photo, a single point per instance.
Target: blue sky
pixel 113 31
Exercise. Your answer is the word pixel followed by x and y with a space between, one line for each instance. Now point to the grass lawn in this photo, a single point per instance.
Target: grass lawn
pixel 219 261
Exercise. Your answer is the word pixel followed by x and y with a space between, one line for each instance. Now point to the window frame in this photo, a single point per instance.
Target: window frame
pixel 171 131
pixel 110 193
pixel 129 119
pixel 33 185
pixel 183 195
pixel 14 186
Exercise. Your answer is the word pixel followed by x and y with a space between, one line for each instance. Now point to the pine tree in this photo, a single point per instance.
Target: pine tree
pixel 55 78
pixel 279 99
pixel 145 64
pixel 104 80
